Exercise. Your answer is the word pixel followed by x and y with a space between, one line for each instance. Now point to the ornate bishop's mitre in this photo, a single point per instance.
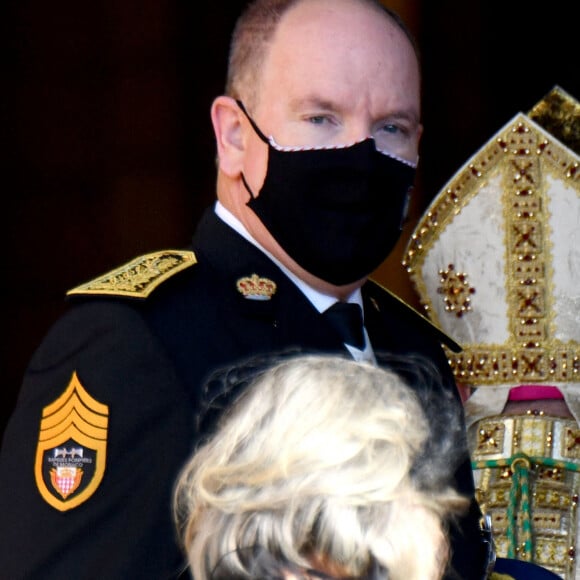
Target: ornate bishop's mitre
pixel 495 258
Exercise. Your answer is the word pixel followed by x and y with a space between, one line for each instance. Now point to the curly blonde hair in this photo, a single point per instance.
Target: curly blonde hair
pixel 315 462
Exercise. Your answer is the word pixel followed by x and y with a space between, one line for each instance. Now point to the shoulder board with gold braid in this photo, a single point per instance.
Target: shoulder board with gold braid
pixel 139 277
pixel 443 337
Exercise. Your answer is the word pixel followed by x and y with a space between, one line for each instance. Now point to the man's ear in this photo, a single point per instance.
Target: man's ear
pixel 226 119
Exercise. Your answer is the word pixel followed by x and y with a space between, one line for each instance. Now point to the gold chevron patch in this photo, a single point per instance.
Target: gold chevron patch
pixel 72 448
pixel 139 277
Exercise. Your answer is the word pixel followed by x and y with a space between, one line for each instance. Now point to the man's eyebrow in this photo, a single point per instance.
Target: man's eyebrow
pixel 409 115
pixel 324 104
pixel 313 102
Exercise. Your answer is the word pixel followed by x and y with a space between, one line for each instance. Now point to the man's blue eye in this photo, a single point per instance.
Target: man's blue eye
pixel 391 129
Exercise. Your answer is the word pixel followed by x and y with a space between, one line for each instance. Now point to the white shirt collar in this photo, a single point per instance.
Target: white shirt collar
pixel 319 300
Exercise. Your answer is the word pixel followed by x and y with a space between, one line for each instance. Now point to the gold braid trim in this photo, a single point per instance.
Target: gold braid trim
pixel 139 277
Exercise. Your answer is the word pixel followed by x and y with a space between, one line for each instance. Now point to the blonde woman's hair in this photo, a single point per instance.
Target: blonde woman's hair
pixel 318 460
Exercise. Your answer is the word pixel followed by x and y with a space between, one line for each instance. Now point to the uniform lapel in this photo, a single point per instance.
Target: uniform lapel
pixel 285 318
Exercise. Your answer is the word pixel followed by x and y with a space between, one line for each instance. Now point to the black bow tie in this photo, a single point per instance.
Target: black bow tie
pixel 347 319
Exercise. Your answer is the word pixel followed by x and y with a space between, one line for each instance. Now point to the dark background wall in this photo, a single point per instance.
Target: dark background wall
pixel 107 150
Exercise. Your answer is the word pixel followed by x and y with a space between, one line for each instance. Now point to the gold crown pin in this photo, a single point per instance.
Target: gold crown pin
pixel 256 288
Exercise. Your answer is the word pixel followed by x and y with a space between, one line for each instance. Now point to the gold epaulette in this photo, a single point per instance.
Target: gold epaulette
pixel 139 277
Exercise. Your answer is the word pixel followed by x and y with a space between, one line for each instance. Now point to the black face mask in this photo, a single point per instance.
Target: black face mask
pixel 337 212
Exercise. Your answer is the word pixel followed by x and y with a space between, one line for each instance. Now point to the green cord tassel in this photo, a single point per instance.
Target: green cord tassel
pixel 520 465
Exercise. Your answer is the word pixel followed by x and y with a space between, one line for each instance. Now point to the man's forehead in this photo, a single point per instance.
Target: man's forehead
pixel 319 18
pixel 323 60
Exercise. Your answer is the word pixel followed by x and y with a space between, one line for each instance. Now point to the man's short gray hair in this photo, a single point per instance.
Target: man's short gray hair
pixel 253 34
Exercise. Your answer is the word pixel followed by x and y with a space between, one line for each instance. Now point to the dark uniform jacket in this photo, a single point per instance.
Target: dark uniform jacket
pixel 112 392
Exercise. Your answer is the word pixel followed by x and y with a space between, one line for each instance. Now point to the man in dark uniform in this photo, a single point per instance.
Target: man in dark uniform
pixel 317 142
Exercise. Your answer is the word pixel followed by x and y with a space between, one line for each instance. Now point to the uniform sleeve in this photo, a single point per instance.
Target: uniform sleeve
pixel 118 420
